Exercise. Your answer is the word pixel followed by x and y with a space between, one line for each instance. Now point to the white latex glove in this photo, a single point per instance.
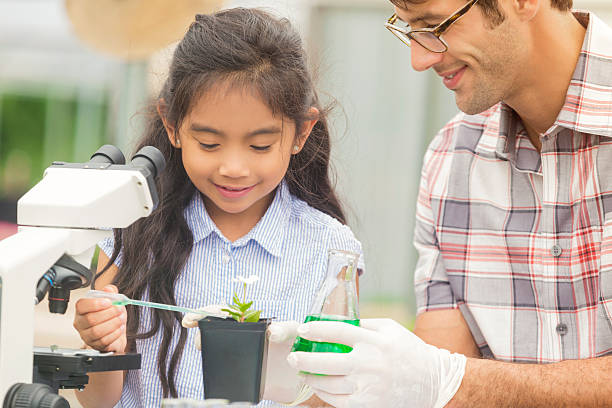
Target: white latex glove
pixel 283 384
pixel 190 320
pixel 389 366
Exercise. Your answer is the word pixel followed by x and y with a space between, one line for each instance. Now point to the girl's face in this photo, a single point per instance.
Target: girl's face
pixel 236 151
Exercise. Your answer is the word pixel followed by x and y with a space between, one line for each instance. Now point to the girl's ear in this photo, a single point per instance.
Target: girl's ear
pixel 170 131
pixel 304 132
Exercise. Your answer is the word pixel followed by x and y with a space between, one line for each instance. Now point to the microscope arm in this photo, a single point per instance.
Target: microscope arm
pixel 23 258
pixel 72 208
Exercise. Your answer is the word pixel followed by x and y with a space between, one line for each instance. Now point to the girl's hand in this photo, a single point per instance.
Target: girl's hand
pixel 100 324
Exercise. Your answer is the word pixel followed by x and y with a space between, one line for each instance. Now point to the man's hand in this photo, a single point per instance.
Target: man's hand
pixel 283 384
pixel 388 367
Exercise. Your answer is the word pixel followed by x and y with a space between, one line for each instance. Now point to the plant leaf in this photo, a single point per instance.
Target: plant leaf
pixel 252 316
pixel 235 315
pixel 245 306
pixel 236 309
pixel 232 311
pixel 235 299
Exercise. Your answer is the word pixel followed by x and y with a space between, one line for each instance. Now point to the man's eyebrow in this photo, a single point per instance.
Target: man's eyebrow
pixel 426 17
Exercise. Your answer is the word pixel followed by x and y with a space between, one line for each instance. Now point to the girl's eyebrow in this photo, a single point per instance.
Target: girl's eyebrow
pixel 205 129
pixel 262 131
pixel 271 130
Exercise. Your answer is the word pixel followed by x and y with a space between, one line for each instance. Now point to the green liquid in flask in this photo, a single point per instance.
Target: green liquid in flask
pixel 320 346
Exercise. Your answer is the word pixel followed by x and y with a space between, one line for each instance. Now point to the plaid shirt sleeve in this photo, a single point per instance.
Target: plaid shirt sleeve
pixel 432 288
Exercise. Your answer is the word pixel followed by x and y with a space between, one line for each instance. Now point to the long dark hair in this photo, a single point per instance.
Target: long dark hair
pixel 247 47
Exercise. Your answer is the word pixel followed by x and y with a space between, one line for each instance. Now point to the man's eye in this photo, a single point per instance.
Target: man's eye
pixel 260 148
pixel 209 146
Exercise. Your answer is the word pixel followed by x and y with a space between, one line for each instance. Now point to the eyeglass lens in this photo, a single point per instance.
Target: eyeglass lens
pixel 429 41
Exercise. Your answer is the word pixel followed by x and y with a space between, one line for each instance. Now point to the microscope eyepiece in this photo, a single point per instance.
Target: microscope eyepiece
pixel 151 158
pixel 108 154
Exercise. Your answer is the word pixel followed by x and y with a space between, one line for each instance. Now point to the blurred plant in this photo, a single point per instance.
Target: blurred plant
pixel 239 310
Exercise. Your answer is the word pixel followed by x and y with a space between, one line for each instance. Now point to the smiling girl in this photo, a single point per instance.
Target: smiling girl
pixel 246 191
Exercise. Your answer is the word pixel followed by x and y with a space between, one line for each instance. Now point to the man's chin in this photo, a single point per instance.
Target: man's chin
pixel 470 106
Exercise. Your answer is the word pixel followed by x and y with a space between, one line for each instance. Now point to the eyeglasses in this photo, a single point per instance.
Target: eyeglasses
pixel 428 38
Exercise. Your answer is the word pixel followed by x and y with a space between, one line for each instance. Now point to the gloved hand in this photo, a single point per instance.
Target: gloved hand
pixel 389 366
pixel 283 384
pixel 190 320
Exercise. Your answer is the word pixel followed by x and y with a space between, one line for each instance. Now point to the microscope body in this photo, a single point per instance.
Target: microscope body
pixel 72 208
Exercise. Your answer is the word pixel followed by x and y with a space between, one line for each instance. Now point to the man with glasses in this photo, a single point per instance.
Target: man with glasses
pixel 514 221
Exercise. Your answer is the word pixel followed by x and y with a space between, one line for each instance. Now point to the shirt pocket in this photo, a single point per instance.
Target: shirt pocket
pixel 605 267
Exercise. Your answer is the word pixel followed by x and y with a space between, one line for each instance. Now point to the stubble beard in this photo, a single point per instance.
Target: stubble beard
pixel 495 78
pixel 485 91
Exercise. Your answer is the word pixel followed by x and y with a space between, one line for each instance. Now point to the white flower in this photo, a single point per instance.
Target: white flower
pixel 247 281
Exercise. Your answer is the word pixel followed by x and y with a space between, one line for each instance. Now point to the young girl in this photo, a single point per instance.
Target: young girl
pixel 245 192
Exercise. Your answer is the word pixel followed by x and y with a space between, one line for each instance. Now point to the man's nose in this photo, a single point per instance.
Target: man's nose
pixel 234 166
pixel 421 58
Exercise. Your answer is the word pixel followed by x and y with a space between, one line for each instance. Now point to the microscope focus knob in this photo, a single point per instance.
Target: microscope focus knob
pixel 22 395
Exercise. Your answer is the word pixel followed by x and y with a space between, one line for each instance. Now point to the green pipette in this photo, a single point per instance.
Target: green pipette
pixel 119 299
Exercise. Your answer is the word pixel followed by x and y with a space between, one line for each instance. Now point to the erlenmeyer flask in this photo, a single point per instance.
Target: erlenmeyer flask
pixel 335 301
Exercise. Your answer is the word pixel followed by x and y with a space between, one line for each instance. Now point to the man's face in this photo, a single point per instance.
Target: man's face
pixel 482 63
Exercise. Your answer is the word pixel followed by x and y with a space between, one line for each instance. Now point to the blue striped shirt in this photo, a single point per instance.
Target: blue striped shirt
pixel 287 249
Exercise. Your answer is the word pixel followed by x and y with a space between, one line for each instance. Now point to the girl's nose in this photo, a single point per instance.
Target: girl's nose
pixel 423 59
pixel 234 167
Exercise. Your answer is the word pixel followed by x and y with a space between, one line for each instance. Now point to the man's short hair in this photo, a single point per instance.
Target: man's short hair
pixel 490 8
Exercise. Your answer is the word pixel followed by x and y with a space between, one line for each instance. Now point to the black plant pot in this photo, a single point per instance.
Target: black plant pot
pixel 234 358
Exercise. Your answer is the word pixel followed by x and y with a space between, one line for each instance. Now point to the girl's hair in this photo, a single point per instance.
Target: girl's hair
pixel 240 47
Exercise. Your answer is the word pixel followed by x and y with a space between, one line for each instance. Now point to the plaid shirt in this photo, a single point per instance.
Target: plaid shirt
pixel 521 241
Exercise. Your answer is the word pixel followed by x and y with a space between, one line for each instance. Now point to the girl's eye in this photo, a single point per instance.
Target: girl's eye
pixel 209 146
pixel 260 148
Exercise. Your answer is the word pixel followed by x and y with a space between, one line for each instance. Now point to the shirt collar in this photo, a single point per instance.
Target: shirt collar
pixel 586 109
pixel 588 105
pixel 198 220
pixel 513 142
pixel 269 232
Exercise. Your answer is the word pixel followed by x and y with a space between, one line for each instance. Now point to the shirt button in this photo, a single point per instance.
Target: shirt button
pixel 225 258
pixel 556 251
pixel 562 329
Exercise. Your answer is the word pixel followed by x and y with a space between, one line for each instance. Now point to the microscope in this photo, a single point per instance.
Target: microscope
pixel 61 219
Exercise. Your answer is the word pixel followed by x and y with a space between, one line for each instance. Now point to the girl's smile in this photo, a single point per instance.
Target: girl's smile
pixel 233 192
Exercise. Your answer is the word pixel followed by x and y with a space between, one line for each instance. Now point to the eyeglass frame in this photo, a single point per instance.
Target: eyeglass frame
pixel 437 31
